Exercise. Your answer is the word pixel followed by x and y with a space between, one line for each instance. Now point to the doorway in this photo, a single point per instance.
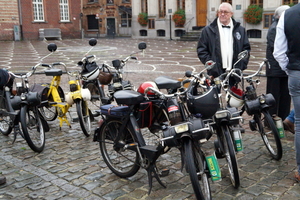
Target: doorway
pixel 201 12
pixel 111 27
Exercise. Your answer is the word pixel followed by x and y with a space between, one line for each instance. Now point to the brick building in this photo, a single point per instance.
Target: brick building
pixel 107 17
pixel 9 17
pixel 62 14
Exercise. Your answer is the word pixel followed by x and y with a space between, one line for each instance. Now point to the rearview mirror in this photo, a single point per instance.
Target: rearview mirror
pixel 52 47
pixel 142 46
pixel 188 74
pixel 92 42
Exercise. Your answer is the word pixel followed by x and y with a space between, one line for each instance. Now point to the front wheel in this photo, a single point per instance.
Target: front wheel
pixel 32 128
pixel 6 121
pixel 84 116
pixel 229 153
pixel 269 133
pixel 195 166
pixel 118 156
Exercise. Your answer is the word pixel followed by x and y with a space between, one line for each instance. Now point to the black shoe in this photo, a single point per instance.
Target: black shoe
pixel 2 180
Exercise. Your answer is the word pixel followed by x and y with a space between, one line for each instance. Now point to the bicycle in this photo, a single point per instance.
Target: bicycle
pixel 96 77
pixel 256 106
pixel 57 104
pixel 124 148
pixel 22 109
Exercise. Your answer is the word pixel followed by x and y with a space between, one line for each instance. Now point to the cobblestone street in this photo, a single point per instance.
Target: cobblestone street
pixel 71 166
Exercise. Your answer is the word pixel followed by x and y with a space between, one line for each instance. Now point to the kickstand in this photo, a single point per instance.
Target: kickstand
pixel 152 172
pixel 16 132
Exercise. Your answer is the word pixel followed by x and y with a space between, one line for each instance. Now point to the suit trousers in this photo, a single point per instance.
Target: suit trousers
pixel 278 87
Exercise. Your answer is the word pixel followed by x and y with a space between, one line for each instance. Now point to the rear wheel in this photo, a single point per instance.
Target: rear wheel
pixel 95 102
pixel 121 160
pixel 6 122
pixel 84 116
pixel 195 166
pixel 269 134
pixel 49 112
pixel 32 128
pixel 229 153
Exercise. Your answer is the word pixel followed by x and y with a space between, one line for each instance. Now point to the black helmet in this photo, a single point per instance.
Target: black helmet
pixel 206 103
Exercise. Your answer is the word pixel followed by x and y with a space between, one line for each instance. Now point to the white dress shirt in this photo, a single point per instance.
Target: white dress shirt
pixel 280 45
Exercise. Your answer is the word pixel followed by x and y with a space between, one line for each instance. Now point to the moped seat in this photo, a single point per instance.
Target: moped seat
pixel 128 97
pixel 164 82
pixel 53 72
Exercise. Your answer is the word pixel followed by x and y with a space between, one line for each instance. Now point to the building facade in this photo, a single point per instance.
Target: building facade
pixel 106 18
pixel 100 18
pixel 198 14
pixel 9 19
pixel 40 14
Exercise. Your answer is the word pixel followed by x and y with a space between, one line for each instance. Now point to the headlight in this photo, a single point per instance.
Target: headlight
pixel 262 100
pixel 181 128
pixel 222 114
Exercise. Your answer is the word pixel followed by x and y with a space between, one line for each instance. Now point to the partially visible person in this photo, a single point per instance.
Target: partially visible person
pixel 287 54
pixel 222 41
pixel 277 79
pixel 289 122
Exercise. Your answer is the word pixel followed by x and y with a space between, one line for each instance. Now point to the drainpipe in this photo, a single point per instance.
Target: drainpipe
pixel 20 18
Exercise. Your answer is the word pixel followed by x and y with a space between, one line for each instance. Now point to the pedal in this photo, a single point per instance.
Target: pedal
pixel 131 146
pixel 164 172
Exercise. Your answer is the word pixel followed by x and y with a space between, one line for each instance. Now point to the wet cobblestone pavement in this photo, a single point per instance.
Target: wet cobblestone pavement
pixel 71 166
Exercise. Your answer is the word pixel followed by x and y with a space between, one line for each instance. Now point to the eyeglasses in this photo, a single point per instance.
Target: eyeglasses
pixel 224 12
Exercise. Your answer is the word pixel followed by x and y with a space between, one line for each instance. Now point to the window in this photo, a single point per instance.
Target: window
pixel 289 2
pixel 181 4
pixel 161 33
pixel 125 19
pixel 257 2
pixel 151 23
pixel 254 33
pixel 110 1
pixel 162 8
pixel 144 7
pixel 228 1
pixel 268 19
pixel 64 10
pixel 143 32
pixel 92 22
pixel 38 10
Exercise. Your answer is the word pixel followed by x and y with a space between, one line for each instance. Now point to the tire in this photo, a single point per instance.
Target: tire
pixel 121 161
pixel 269 134
pixel 95 102
pixel 194 161
pixel 49 112
pixel 229 153
pixel 32 128
pixel 6 122
pixel 84 116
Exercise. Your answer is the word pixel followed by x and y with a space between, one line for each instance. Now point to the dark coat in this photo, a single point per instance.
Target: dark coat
pixel 274 70
pixel 4 76
pixel 209 47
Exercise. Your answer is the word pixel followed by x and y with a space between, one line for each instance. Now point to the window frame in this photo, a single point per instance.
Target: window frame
pixel 181 4
pixel 270 20
pixel 257 2
pixel 289 2
pixel 38 11
pixel 227 1
pixel 151 23
pixel 64 11
pixel 162 8
pixel 144 6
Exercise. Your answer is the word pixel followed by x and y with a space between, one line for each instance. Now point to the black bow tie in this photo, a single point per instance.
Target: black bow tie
pixel 225 26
